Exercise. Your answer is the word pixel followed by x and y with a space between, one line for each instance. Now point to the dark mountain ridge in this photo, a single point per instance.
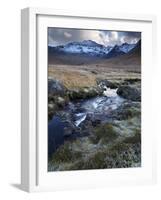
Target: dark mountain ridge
pixel 91 48
pixel 86 52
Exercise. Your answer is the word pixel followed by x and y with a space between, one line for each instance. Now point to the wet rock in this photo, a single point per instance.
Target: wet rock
pixel 69 128
pixel 55 87
pixel 55 103
pixel 60 101
pixel 130 93
pixel 107 83
pixel 96 122
pixel 94 119
pixel 57 97
pixel 52 108
pixel 87 124
pixel 65 116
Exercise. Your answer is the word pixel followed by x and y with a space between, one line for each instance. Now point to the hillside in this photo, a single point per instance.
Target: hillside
pixel 89 52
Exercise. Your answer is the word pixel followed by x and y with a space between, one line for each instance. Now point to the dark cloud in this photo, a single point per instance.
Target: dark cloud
pixel 60 36
pixel 119 37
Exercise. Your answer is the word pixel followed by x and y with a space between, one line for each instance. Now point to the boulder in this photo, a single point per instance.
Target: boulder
pixel 130 93
pixel 52 108
pixel 85 93
pixel 60 101
pixel 106 83
pixel 69 128
pixel 55 103
pixel 57 97
pixel 55 87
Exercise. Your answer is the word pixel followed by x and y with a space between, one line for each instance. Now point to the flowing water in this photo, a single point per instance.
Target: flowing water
pixel 95 108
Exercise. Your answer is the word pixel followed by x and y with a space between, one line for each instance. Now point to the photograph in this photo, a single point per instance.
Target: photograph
pixel 94 99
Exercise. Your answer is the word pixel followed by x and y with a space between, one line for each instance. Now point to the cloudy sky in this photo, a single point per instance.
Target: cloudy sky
pixel 61 36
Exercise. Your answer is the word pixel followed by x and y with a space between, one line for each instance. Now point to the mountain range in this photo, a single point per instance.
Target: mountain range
pixel 91 48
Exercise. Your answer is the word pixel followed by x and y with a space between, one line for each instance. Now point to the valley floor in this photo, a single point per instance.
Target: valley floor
pixel 77 76
pixel 109 135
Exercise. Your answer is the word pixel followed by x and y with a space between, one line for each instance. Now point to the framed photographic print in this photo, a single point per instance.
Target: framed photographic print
pixel 86 109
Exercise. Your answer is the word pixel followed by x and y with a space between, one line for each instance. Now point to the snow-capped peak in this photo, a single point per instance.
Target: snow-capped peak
pixel 90 43
pixel 92 48
pixel 125 47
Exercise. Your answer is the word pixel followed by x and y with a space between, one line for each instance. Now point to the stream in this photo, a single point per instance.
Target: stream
pixel 97 108
pixel 101 106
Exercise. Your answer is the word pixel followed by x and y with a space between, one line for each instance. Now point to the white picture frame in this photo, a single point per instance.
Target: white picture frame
pixel 34 176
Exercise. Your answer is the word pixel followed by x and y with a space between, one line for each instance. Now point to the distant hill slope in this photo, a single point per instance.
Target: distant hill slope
pixel 130 61
pixel 137 49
